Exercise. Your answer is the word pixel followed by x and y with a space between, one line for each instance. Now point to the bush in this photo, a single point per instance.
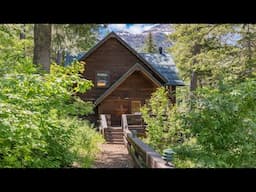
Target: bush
pixel 38 123
pixel 38 112
pixel 224 123
pixel 218 131
pixel 163 127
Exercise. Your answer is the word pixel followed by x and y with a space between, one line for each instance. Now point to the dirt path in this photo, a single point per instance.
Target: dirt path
pixel 113 156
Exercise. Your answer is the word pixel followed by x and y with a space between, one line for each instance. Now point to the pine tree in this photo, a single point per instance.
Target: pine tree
pixel 73 38
pixel 204 52
pixel 150 46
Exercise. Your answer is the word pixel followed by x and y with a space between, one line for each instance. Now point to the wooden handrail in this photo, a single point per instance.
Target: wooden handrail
pixel 103 123
pixel 124 122
pixel 142 154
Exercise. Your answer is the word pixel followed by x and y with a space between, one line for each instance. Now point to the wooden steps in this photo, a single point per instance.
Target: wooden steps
pixel 114 135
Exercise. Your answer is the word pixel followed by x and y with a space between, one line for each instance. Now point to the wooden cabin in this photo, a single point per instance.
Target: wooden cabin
pixel 124 79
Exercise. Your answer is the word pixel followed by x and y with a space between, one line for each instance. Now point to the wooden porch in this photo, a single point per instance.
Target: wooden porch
pixel 114 134
pixel 132 128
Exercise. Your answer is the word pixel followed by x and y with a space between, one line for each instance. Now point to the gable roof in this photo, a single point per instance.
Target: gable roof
pixel 161 64
pixel 165 65
pixel 114 35
pixel 136 67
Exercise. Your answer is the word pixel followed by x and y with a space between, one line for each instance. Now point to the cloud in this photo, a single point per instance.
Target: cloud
pixel 139 28
pixel 132 28
pixel 117 27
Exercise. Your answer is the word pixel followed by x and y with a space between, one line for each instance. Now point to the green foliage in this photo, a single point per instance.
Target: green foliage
pixel 85 143
pixel 154 115
pixel 220 123
pixel 72 38
pixel 219 131
pixel 150 46
pixel 162 125
pixel 216 127
pixel 223 122
pixel 38 123
pixel 214 51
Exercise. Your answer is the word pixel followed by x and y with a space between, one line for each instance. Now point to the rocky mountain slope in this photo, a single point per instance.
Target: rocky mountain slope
pixel 159 34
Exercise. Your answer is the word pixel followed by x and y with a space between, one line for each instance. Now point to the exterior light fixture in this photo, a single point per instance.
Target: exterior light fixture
pixel 168 155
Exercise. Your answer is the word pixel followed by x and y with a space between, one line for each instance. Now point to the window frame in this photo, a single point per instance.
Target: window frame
pixel 108 79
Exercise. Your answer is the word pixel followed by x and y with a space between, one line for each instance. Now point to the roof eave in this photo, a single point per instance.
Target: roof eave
pixel 136 67
pixel 113 34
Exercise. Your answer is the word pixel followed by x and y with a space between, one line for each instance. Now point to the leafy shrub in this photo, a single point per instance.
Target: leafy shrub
pixel 224 124
pixel 162 124
pixel 219 131
pixel 38 123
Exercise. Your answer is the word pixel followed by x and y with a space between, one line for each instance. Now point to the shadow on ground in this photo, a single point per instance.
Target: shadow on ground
pixel 113 156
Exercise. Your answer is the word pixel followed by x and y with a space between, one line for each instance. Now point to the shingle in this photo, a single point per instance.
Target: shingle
pixel 71 58
pixel 165 65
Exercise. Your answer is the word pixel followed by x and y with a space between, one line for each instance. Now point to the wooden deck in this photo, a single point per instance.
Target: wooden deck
pixel 142 155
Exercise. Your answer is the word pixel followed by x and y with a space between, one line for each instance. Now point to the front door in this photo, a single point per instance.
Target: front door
pixel 115 108
pixel 120 108
pixel 135 106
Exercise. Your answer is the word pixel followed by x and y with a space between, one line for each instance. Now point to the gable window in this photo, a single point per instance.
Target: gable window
pixel 102 79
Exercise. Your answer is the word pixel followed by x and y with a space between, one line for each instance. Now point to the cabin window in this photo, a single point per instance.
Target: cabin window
pixel 135 107
pixel 102 79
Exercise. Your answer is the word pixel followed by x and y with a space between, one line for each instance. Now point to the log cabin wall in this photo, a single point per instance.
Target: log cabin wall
pixel 110 57
pixel 114 58
pixel 128 97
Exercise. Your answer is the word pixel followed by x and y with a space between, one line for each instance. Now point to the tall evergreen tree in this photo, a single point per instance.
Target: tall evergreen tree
pixel 73 38
pixel 62 39
pixel 150 46
pixel 205 53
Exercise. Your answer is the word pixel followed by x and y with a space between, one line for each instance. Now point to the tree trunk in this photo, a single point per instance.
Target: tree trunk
pixel 59 58
pixel 23 36
pixel 23 31
pixel 42 45
pixel 248 65
pixel 194 75
pixel 193 78
pixel 193 81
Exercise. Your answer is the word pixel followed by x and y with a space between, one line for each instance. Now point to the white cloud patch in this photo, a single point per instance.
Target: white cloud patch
pixel 139 28
pixel 132 28
pixel 117 27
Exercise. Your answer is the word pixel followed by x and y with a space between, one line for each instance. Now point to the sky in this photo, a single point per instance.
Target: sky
pixel 132 28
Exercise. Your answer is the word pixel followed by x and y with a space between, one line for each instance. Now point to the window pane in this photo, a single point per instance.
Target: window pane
pixel 102 79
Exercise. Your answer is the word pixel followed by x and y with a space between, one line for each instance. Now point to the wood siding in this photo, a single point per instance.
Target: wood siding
pixel 137 87
pixel 115 59
pixel 111 57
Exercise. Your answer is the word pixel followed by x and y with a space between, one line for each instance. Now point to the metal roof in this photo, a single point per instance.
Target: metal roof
pixel 162 64
pixel 71 58
pixel 165 65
